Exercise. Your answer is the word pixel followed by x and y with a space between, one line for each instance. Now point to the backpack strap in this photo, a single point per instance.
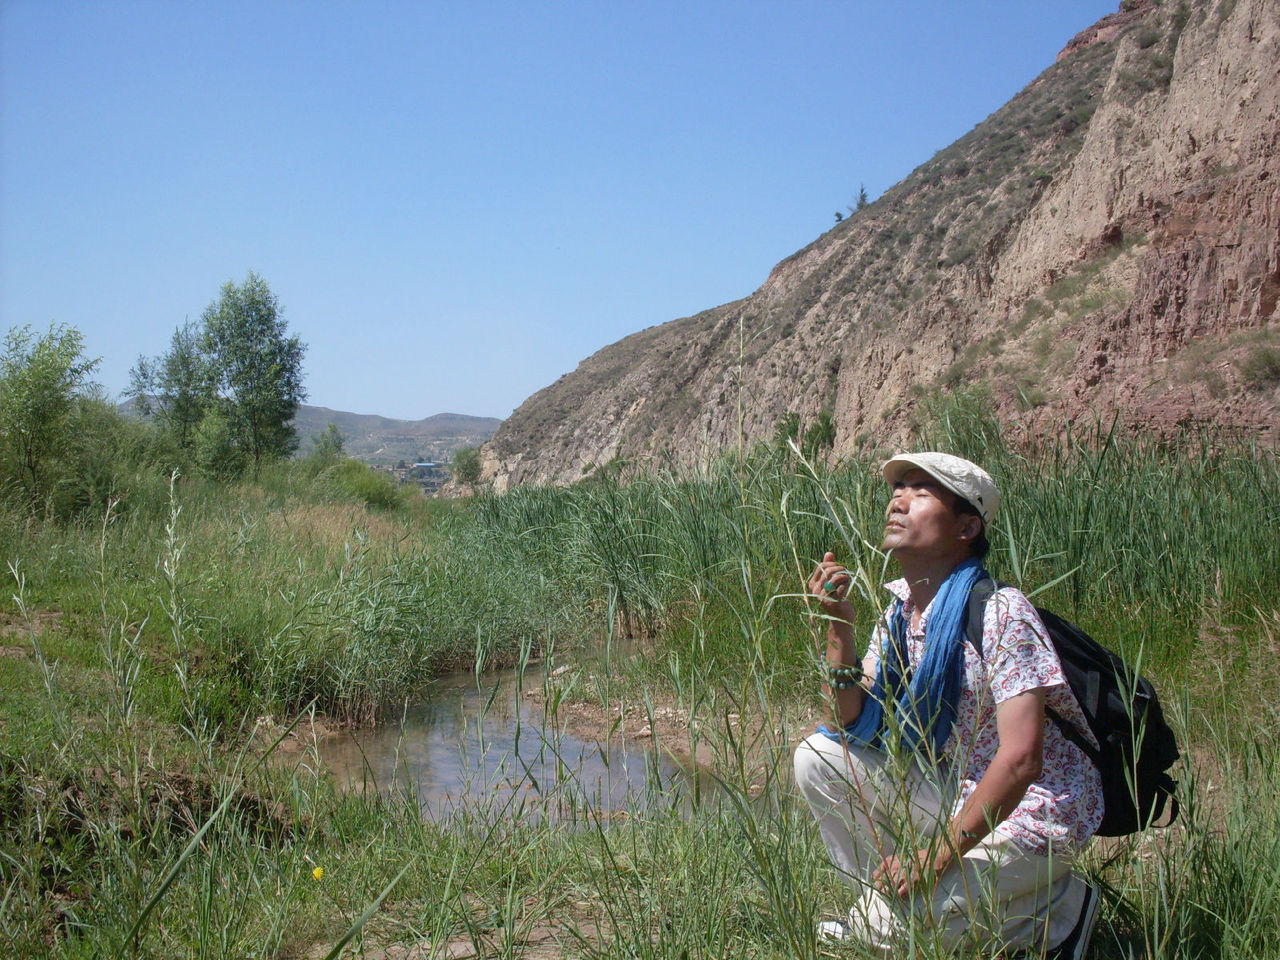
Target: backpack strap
pixel 982 591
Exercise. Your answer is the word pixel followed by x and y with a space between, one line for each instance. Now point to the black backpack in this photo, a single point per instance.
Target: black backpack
pixel 1137 746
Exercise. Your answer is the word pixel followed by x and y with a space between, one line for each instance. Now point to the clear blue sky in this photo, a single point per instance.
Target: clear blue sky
pixel 457 202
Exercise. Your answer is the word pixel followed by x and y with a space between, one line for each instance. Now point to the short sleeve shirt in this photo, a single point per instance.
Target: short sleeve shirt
pixel 1063 807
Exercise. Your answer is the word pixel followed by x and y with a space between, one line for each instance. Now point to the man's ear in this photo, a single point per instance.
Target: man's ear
pixel 971 527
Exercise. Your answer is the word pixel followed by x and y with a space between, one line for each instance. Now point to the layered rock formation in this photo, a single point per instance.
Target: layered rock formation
pixel 1107 242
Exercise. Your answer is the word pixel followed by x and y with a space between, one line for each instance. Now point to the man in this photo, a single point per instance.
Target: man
pixel 945 797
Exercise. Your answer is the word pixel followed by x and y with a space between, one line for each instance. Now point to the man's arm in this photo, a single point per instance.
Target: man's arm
pixel 1018 761
pixel 841 646
pixel 1016 765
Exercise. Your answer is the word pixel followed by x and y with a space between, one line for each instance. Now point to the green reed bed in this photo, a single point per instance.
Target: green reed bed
pixel 1118 530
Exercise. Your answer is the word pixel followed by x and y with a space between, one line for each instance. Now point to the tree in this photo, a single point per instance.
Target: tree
pixel 41 380
pixel 331 444
pixel 466 466
pixel 863 202
pixel 175 387
pixel 214 445
pixel 255 370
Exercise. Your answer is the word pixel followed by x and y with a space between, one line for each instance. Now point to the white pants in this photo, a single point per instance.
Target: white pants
pixel 998 897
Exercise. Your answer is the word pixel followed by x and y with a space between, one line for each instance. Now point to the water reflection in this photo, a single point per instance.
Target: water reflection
pixel 469 745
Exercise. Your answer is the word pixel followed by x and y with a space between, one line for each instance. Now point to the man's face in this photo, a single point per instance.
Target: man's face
pixel 920 520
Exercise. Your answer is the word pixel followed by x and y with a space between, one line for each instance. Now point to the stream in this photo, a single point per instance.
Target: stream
pixel 481 746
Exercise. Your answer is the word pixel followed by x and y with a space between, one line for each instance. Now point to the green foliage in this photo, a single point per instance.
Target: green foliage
pixel 374 488
pixel 787 430
pixel 1261 368
pixel 108 461
pixel 227 390
pixel 175 387
pixel 1152 70
pixel 216 446
pixel 329 444
pixel 466 465
pixel 963 422
pixel 42 378
pixel 819 437
pixel 1147 37
pixel 255 370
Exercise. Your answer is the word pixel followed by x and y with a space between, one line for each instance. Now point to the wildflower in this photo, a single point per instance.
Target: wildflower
pixel 318 873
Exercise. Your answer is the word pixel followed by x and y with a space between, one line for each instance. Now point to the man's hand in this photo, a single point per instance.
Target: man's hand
pixel 902 875
pixel 830 583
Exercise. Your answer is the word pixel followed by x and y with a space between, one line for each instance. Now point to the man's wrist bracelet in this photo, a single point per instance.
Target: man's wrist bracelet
pixel 843 678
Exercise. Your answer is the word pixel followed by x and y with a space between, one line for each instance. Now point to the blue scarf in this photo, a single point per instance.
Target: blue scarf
pixel 925 706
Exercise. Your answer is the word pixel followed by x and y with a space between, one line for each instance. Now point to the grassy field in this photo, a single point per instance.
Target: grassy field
pixel 152 654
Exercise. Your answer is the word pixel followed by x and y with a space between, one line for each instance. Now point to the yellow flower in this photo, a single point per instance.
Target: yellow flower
pixel 318 873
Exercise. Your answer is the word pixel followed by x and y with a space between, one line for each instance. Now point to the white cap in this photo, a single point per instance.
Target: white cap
pixel 964 479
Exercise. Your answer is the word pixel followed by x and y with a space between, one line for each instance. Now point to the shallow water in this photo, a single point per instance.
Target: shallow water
pixel 482 745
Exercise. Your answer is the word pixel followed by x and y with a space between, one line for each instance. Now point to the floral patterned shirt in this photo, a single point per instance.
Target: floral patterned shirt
pixel 1063 807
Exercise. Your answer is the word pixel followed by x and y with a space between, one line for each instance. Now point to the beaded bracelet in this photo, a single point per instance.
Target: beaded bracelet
pixel 843 678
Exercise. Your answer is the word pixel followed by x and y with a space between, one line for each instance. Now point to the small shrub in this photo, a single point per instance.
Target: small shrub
pixel 1033 310
pixel 820 436
pixel 1261 368
pixel 1042 346
pixel 1180 18
pixel 1148 37
pixel 1031 396
pixel 787 429
pixel 361 482
pixel 466 465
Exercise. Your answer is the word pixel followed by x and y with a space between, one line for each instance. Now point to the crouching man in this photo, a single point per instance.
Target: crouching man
pixel 943 793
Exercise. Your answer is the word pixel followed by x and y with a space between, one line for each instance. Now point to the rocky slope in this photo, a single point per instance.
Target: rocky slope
pixel 1108 241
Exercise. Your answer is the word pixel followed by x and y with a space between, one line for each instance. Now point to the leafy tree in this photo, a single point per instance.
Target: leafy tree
pixel 330 444
pixel 109 458
pixel 466 465
pixel 217 453
pixel 41 379
pixel 255 370
pixel 175 387
pixel 863 202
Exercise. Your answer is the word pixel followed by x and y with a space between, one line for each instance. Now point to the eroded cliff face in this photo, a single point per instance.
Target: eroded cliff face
pixel 1109 241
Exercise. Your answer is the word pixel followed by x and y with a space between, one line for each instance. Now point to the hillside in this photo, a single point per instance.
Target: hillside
pixel 382 440
pixel 1107 242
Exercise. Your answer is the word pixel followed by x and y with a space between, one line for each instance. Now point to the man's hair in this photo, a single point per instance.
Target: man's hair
pixel 981 546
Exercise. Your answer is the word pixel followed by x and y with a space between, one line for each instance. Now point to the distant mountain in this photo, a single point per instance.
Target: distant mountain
pixel 376 439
